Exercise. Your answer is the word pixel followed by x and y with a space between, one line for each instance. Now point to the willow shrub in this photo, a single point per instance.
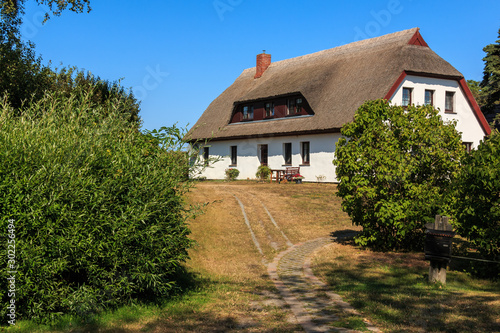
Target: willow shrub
pixel 395 168
pixel 97 207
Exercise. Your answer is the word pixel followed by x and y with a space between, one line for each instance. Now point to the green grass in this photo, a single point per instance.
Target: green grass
pixel 392 289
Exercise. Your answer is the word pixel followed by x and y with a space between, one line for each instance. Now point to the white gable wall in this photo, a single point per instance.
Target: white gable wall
pixel 467 124
pixel 322 147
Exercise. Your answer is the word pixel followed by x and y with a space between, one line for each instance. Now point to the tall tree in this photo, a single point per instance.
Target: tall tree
pixel 395 166
pixel 491 80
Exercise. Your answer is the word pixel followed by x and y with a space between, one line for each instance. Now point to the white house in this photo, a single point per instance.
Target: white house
pixel 289 113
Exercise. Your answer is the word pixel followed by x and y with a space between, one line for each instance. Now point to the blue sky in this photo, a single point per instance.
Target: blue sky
pixel 178 56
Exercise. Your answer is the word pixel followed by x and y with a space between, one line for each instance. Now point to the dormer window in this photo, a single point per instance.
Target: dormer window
pixel 248 112
pixel 294 105
pixel 270 109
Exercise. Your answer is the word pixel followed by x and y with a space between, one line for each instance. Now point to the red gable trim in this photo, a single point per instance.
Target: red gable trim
pixel 395 86
pixel 472 102
pixel 417 39
pixel 465 88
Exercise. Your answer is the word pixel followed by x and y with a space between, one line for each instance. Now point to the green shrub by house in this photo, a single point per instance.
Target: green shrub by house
pixel 395 168
pixel 263 172
pixel 477 205
pixel 232 174
pixel 97 207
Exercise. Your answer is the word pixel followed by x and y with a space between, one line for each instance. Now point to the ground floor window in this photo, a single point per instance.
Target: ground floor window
pixel 287 153
pixel 206 155
pixel 234 155
pixel 263 154
pixel 304 152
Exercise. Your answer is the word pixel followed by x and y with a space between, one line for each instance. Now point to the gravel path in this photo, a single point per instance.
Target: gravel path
pixel 308 297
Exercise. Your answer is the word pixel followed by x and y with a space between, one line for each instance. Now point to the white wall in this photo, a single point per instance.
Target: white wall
pixel 468 124
pixel 322 147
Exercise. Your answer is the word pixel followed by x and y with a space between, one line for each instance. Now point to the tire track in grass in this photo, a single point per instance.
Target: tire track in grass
pixel 288 243
pixel 257 219
pixel 247 222
pixel 273 221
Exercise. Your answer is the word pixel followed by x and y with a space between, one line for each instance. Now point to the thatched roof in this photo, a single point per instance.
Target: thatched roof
pixel 335 83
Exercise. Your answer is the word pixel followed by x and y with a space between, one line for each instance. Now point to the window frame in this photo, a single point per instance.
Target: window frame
pixel 294 105
pixel 269 109
pixel 206 155
pixel 449 94
pixel 290 106
pixel 305 154
pixel 431 95
pixel 410 92
pixel 234 155
pixel 287 150
pixel 247 112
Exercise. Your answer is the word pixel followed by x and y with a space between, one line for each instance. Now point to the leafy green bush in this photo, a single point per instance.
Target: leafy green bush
pixel 477 205
pixel 97 207
pixel 232 174
pixel 263 172
pixel 395 166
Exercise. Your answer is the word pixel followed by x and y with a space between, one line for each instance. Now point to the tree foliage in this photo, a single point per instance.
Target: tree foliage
pixel 477 92
pixel 477 206
pixel 395 166
pixel 491 79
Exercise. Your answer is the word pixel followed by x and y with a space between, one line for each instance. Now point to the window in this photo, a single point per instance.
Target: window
pixel 298 105
pixel 287 153
pixel 449 102
pixel 206 155
pixel 269 109
pixel 248 112
pixel 234 155
pixel 294 105
pixel 263 154
pixel 406 96
pixel 429 97
pixel 304 152
pixel 291 106
pixel 467 146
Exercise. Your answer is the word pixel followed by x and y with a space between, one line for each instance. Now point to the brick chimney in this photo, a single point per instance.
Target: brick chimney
pixel 263 61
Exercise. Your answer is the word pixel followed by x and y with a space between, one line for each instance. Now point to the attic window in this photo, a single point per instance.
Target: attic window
pixel 406 97
pixel 270 109
pixel 248 112
pixel 449 101
pixel 294 105
pixel 429 97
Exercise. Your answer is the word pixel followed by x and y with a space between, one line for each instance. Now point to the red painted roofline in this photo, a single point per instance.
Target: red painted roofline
pixel 395 86
pixel 417 39
pixel 475 107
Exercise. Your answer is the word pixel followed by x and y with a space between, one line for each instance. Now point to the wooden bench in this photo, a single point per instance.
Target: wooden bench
pixel 290 172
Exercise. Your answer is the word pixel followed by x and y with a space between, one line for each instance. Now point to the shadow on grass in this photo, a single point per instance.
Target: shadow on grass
pixel 198 305
pixel 397 294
